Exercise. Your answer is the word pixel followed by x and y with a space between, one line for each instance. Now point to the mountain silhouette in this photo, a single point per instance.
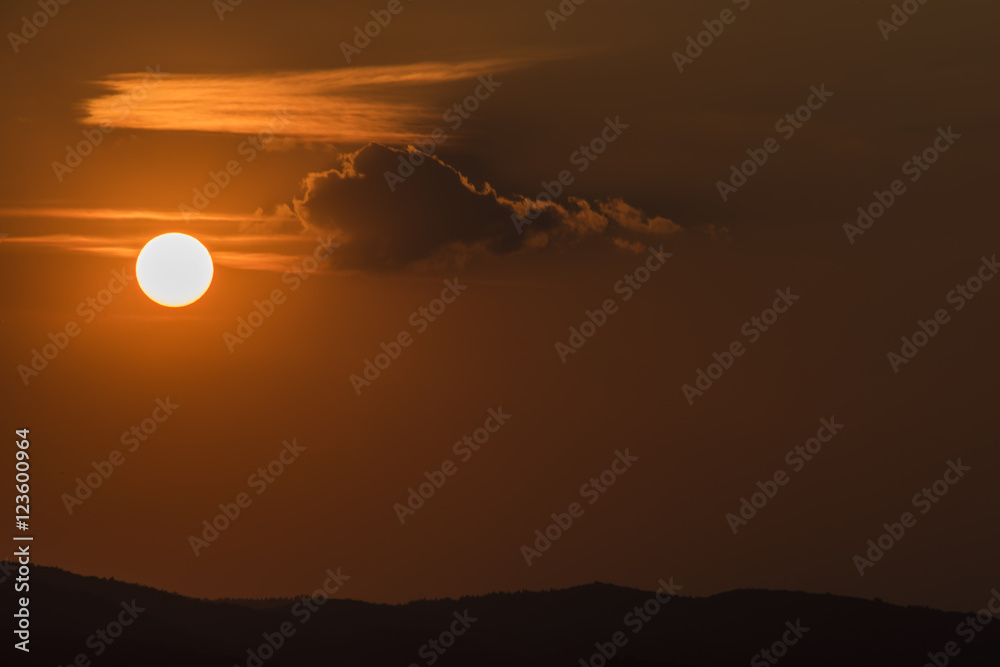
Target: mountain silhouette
pixel 549 628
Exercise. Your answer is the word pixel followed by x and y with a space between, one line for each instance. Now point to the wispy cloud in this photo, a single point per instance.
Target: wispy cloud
pixel 251 252
pixel 118 214
pixel 251 241
pixel 356 104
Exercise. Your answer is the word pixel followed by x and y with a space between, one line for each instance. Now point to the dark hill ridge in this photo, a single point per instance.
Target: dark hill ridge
pixel 529 629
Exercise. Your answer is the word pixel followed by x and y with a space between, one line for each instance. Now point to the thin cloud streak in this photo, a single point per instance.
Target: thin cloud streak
pixel 255 252
pixel 356 104
pixel 112 214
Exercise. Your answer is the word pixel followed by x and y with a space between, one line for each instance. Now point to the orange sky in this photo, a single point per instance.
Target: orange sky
pixel 312 138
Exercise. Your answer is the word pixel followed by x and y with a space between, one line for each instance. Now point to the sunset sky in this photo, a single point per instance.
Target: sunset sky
pixel 249 129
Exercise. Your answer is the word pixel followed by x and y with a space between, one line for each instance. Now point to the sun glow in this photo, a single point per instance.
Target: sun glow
pixel 174 270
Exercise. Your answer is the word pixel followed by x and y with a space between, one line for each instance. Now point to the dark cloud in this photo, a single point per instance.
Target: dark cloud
pixel 436 213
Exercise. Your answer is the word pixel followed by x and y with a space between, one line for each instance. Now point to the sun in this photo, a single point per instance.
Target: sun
pixel 174 270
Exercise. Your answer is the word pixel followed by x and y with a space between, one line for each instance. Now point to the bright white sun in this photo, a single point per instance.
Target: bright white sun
pixel 174 270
